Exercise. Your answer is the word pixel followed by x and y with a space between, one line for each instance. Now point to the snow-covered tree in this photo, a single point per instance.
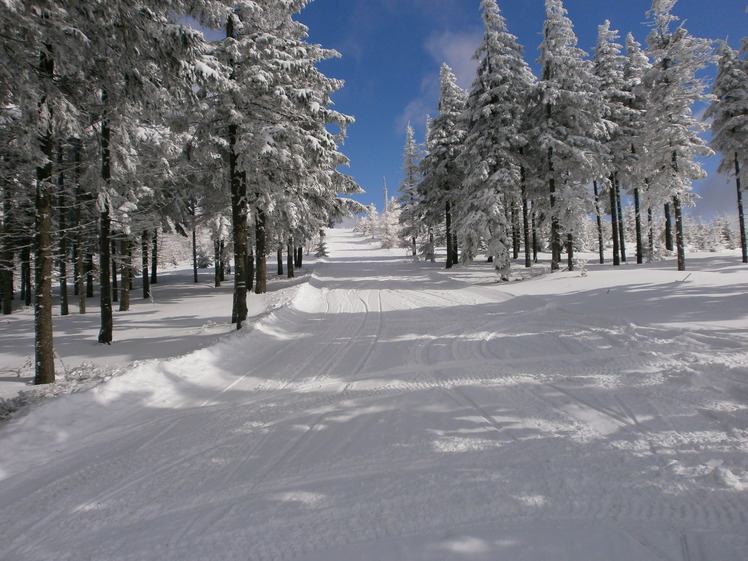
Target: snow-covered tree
pixel 567 127
pixel 634 175
pixel 442 176
pixel 673 141
pixel 411 228
pixel 493 145
pixel 729 114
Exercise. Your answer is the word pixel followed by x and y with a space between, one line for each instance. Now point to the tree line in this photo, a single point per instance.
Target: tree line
pixel 119 120
pixel 520 161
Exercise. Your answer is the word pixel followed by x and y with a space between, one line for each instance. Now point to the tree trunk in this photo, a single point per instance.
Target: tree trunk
pixel 250 268
pixel 216 261
pixel 570 251
pixel 44 354
pixel 741 214
pixel 669 245
pixel 448 217
pixel 621 229
pixel 154 257
pixel 638 218
pixel 6 251
pixel 194 256
pixel 299 257
pixel 26 273
pixel 614 222
pixel 90 275
pixel 239 229
pixel 105 221
pixel 80 276
pixel 279 253
pixel 124 300
pixel 261 284
pixel 290 258
pixel 144 250
pixel 599 218
pixel 555 229
pixel 115 284
pixel 534 239
pixel 62 254
pixel 651 240
pixel 526 223
pixel 680 239
pixel 516 233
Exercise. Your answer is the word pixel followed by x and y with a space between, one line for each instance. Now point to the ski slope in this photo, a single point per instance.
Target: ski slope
pixel 397 411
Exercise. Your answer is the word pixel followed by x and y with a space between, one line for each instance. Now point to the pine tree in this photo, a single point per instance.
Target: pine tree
pixel 729 113
pixel 493 143
pixel 411 228
pixel 568 127
pixel 439 189
pixel 673 137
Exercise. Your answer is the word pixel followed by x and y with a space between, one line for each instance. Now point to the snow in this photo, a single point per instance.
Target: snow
pixel 381 409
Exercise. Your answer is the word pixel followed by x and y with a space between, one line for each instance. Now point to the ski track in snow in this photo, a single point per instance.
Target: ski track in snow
pixel 395 412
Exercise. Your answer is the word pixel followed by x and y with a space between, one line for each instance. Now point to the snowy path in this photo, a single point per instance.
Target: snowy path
pixel 397 412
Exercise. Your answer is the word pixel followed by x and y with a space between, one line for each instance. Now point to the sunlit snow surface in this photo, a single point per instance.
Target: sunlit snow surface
pixel 391 410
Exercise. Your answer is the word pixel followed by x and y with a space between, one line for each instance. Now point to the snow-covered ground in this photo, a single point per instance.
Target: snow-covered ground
pixel 391 410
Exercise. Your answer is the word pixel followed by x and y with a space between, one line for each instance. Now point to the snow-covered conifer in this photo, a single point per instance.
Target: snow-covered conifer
pixel 491 155
pixel 411 227
pixel 673 141
pixel 729 114
pixel 567 127
pixel 442 175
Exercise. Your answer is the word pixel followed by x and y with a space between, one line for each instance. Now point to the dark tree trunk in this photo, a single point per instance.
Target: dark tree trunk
pixel 614 222
pixel 448 217
pixel 250 268
pixel 261 284
pixel 669 244
pixel 741 214
pixel 216 261
pixel 638 218
pixel 105 224
pixel 154 257
pixel 124 301
pixel 239 229
pixel 555 229
pixel 299 257
pixel 525 217
pixel 534 239
pixel 279 253
pixel 144 251
pixel 621 229
pixel 44 354
pixel 516 231
pixel 290 258
pixel 680 240
pixel 194 257
pixel 222 269
pixel 239 215
pixel 26 273
pixel 62 254
pixel 650 229
pixel 90 275
pixel 6 251
pixel 115 284
pixel 570 251
pixel 80 276
pixel 599 218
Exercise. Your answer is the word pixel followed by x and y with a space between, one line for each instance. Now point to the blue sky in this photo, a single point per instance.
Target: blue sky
pixel 392 50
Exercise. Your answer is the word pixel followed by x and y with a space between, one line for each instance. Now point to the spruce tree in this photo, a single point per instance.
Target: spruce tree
pixel 729 114
pixel 493 143
pixel 673 141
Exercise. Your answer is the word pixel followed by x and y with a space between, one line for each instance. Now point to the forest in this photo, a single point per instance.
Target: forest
pixel 121 121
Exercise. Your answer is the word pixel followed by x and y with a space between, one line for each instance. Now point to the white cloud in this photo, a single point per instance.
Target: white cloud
pixel 456 49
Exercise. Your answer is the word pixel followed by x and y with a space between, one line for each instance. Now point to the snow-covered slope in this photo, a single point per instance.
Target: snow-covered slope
pixel 397 411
